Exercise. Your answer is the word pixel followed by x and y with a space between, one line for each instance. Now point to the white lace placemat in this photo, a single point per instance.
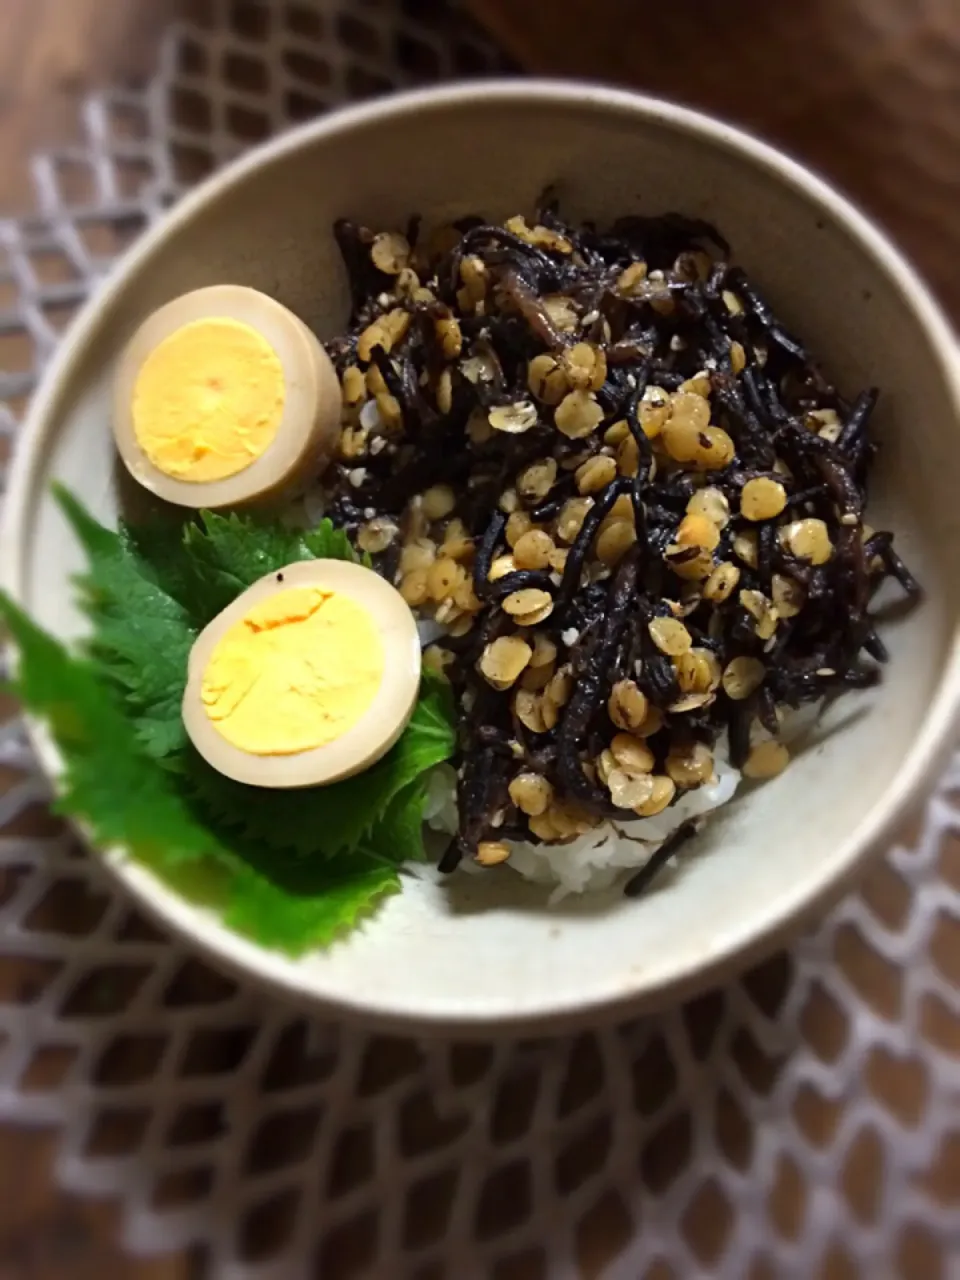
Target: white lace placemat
pixel 802 1123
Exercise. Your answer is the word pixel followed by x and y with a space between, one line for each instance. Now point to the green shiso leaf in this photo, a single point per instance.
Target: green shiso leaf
pixel 142 635
pixel 291 870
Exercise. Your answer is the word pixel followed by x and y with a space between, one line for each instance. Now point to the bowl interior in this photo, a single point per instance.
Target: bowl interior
pixel 486 949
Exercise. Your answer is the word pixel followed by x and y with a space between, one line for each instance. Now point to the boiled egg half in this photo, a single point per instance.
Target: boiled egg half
pixel 309 676
pixel 223 397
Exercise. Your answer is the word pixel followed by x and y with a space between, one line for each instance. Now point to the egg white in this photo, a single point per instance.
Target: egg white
pixel 309 428
pixel 377 729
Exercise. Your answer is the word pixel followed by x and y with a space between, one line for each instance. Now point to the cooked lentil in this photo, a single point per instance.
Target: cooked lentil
pixel 599 460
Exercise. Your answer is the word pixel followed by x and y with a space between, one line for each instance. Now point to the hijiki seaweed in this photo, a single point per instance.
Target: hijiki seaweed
pixel 625 494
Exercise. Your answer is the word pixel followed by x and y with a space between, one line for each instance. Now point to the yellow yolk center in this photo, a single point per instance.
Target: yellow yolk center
pixel 208 400
pixel 295 673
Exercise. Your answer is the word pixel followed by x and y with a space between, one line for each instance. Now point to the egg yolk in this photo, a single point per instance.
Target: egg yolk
pixel 208 400
pixel 295 673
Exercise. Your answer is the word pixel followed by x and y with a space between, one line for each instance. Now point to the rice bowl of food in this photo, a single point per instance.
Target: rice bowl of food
pixel 497 592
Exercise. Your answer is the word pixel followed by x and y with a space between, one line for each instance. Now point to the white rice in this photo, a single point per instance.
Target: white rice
pixel 599 858
pixel 430 631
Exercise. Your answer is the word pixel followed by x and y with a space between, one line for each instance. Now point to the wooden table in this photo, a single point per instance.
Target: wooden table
pixel 862 90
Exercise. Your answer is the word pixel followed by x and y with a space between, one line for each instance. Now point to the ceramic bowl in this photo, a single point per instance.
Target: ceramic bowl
pixel 484 954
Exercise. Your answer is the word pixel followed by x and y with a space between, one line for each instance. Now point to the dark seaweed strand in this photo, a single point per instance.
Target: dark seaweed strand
pixel 520 580
pixel 766 406
pixel 853 433
pixel 584 540
pixel 583 706
pixel 639 883
pixel 486 550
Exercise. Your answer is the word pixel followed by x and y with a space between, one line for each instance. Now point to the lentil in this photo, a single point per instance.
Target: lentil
pixel 438 502
pixel 528 708
pixel 632 755
pixel 721 583
pixel 527 602
pixel 745 548
pixel 413 587
pixel 615 541
pixel 690 764
pixel 444 392
pixel 766 760
pixel 587 444
pixel 712 503
pixel 562 312
pixel 538 479
pixel 664 789
pixel 376 535
pixel 536 678
pixel 596 473
pixel 628 457
pixel 353 384
pixel 450 336
pixel 531 793
pixel 391 415
pixel 762 499
pixel 532 550
pixel 743 676
pixel 670 636
pixel 514 419
pixel 501 567
pixel 443 578
pixel 654 411
pixel 390 252
pixel 585 367
pixel 492 852
pixel 571 518
pixel 503 660
pixel 627 705
pixel 546 379
pixel 698 671
pixel 616 433
pixel 698 531
pixel 631 277
pixel 578 414
pixel 544 651
pixel 457 543
pixel 518 525
pixel 808 540
pixel 627 791
pixel 418 554
pixel 437 659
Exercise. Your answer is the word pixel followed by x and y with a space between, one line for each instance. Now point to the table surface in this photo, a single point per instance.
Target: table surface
pixel 52 54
